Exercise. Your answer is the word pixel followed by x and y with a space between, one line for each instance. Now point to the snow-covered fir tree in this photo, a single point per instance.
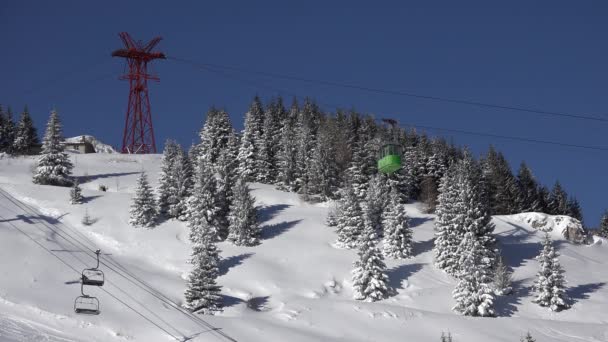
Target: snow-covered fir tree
pixel 501 186
pixel 324 177
pixel 603 230
pixel 574 209
pixel 181 175
pixel 370 282
pixel 550 283
pixel 53 166
pixel 26 136
pixel 448 231
pixel 166 183
pixel 446 337
pixel 215 136
pixel 252 142
pixel 528 190
pixel 7 136
pixel 286 157
pixel 274 117
pixel 203 210
pixel 397 242
pixel 203 292
pixel 244 229
pixel 349 219
pixel 376 200
pixel 76 193
pixel 144 211
pixel 473 293
pixel 502 279
pixel 528 338
pixel 558 201
pixel 226 179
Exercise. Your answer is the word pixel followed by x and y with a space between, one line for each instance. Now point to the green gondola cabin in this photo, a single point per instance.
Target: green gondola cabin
pixel 390 158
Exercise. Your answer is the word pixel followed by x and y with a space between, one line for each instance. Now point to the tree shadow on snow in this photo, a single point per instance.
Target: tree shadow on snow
pixel 583 291
pixel 258 304
pixel 506 306
pixel 516 255
pixel 231 262
pixel 400 273
pixel 419 247
pixel 87 199
pixel 273 230
pixel 417 221
pixel 90 178
pixel 228 301
pixel 268 212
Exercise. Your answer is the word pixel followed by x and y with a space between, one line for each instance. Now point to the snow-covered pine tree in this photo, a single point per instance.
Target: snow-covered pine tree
pixel 166 183
pixel 324 177
pixel 144 211
pixel 448 229
pixel 528 338
pixel 202 207
pixel 252 142
pixel 226 179
pixel 349 219
pixel 86 219
pixel 574 209
pixel 286 158
pixel 244 228
pixel 473 294
pixel 446 338
pixel 26 136
pixel 528 189
pixel 550 282
pixel 544 198
pixel 397 242
pixel 502 279
pixel 8 132
pixel 76 193
pixel 54 166
pixel 274 117
pixel 370 282
pixel 214 136
pixel 501 185
pixel 376 200
pixel 203 292
pixel 181 175
pixel 603 231
pixel 558 200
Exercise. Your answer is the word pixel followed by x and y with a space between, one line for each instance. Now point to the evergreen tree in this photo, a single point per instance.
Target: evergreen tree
pixel 26 136
pixel 244 228
pixel 448 233
pixel 543 200
pixel 8 132
pixel 349 220
pixel 501 186
pixel 376 200
pixel 76 193
pixel 370 282
pixel 473 294
pixel 286 159
pixel 203 293
pixel 54 166
pixel 502 279
pixel 550 282
pixel 143 209
pixel 558 201
pixel 274 117
pixel 215 136
pixel 528 189
pixel 574 209
pixel 324 171
pixel 252 142
pixel 166 182
pixel 181 176
pixel 528 338
pixel 397 233
pixel 446 338
pixel 227 178
pixel 603 231
pixel 203 210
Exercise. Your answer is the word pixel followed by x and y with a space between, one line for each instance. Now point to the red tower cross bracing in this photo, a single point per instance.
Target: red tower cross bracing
pixel 138 135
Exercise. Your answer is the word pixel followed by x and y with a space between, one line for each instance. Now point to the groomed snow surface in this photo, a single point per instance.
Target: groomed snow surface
pixel 293 287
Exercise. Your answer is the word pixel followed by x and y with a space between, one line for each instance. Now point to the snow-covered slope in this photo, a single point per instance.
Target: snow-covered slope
pixel 293 287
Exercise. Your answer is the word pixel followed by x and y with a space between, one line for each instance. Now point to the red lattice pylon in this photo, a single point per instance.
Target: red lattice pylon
pixel 138 135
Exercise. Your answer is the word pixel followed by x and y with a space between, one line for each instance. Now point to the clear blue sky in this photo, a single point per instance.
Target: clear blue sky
pixel 549 55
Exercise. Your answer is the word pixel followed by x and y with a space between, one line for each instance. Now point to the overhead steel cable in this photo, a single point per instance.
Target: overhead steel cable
pixel 396 92
pixel 418 126
pixel 144 286
pixel 79 273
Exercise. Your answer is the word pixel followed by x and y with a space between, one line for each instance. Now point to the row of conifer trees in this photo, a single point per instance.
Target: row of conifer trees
pixel 17 138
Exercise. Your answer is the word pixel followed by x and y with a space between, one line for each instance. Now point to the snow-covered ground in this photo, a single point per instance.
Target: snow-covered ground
pixel 293 287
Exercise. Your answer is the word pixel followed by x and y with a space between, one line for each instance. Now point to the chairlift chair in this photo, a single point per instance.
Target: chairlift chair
pixel 93 276
pixel 86 305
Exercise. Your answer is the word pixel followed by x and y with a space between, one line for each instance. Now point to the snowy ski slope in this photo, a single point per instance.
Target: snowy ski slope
pixel 293 287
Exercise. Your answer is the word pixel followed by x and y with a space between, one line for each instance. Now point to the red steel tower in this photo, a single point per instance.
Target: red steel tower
pixel 139 132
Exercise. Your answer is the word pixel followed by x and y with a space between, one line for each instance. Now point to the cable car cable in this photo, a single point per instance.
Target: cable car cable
pixel 427 127
pixel 395 92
